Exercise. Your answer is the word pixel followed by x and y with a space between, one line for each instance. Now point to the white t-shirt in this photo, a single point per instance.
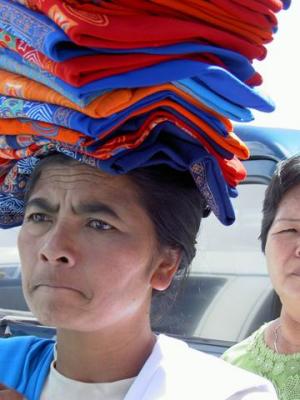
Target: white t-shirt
pixel 58 387
pixel 173 371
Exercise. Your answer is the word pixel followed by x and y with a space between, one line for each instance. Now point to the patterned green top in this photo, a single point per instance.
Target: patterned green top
pixel 283 370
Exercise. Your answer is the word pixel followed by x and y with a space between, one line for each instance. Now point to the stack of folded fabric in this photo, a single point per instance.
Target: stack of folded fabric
pixel 126 84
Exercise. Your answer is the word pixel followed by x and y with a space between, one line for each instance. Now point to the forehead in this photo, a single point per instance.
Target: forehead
pixel 84 182
pixel 290 202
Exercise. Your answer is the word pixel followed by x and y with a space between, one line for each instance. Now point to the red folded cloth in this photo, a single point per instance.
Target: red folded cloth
pixel 92 25
pixel 85 69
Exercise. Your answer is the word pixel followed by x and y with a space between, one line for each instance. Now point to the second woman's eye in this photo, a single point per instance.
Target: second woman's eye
pixel 288 230
pixel 100 225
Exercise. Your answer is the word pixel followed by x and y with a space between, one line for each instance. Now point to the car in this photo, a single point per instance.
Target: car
pixel 228 293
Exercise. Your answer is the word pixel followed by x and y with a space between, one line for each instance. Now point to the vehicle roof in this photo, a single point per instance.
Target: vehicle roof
pixel 277 143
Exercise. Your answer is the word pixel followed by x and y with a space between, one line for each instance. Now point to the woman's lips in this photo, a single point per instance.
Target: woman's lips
pixel 60 286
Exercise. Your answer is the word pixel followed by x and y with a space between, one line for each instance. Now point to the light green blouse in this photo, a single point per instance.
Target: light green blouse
pixel 283 370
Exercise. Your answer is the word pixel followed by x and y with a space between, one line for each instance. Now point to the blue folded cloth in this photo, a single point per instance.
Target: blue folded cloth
pixel 16 64
pixel 20 108
pixel 217 79
pixel 199 92
pixel 231 89
pixel 134 124
pixel 166 145
pixel 286 3
pixel 37 30
pixel 216 102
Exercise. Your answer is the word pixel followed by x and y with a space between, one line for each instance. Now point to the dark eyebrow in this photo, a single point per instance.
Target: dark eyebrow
pixel 94 207
pixel 42 204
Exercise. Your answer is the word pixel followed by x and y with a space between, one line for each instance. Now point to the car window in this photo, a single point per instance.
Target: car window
pixel 11 296
pixel 228 293
pixel 8 245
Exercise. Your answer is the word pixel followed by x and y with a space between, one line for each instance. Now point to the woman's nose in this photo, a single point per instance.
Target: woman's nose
pixel 59 247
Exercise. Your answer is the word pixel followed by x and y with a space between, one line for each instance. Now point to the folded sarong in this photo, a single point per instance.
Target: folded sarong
pixel 19 86
pixel 129 135
pixel 11 107
pixel 217 79
pixel 127 95
pixel 24 127
pixel 218 103
pixel 85 69
pixel 257 30
pixel 102 31
pixel 165 147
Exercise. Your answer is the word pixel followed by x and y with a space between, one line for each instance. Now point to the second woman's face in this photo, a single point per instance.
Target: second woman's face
pixel 88 250
pixel 283 249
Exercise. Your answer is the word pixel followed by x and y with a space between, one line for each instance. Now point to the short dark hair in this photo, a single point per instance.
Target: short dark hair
pixel 170 198
pixel 285 178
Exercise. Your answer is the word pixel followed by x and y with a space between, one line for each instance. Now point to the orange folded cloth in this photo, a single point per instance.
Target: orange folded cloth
pixel 38 128
pixel 52 132
pixel 15 85
pixel 233 170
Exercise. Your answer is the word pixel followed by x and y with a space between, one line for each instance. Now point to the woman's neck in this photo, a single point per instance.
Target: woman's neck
pixel 284 334
pixel 105 356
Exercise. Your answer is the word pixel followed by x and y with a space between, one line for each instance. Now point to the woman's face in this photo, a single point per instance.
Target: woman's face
pixel 88 250
pixel 283 250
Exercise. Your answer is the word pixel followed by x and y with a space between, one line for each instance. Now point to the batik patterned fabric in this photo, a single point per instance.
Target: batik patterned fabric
pixel 130 136
pixel 33 28
pixel 15 63
pixel 30 127
pixel 197 118
pixel 203 166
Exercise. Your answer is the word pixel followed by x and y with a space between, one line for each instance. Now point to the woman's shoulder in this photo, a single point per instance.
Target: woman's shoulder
pixel 243 352
pixel 209 374
pixel 21 345
pixel 23 356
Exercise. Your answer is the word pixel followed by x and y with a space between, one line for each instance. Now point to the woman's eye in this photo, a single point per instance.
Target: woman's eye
pixel 37 217
pixel 289 230
pixel 100 225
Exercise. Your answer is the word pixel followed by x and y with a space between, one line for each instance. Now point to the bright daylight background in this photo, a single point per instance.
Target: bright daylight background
pixel 281 72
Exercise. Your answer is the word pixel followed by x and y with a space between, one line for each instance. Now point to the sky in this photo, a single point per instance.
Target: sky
pixel 281 72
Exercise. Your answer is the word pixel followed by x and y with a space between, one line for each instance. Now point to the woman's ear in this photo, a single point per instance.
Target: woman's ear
pixel 167 268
